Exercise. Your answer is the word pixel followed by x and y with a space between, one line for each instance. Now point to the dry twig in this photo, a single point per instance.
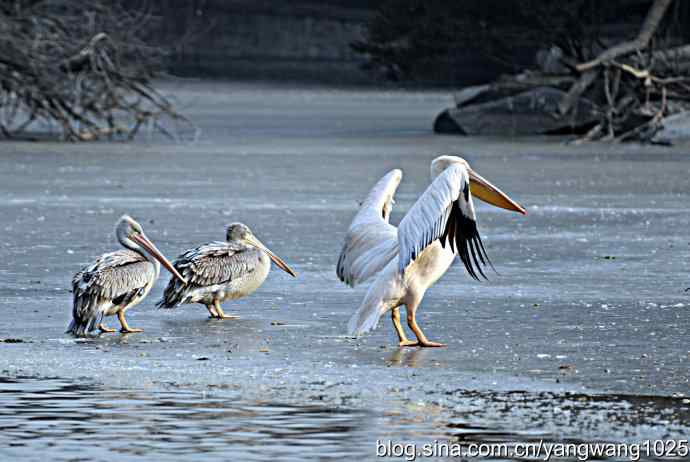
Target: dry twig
pixel 81 67
pixel 632 84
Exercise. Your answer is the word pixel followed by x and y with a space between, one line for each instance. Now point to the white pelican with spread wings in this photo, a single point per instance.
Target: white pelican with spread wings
pixel 407 260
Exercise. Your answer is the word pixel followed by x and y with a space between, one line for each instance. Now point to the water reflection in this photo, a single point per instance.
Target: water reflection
pixel 81 422
pixel 408 357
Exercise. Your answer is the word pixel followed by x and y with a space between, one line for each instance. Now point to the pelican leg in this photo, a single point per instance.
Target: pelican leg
pixel 402 338
pixel 221 314
pixel 212 311
pixel 125 327
pixel 412 322
pixel 103 329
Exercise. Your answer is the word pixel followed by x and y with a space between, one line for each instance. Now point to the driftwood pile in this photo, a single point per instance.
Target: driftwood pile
pixel 624 93
pixel 81 68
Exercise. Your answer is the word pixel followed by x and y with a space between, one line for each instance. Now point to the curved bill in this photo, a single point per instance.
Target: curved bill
pixel 276 259
pixel 484 190
pixel 155 253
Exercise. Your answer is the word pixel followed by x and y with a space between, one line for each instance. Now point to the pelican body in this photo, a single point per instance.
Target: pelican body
pixel 405 261
pixel 220 271
pixel 116 281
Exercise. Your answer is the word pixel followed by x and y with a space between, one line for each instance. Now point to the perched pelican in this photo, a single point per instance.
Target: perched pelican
pixel 220 271
pixel 116 281
pixel 409 259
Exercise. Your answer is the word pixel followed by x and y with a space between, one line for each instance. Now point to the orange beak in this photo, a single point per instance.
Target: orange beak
pixel 484 190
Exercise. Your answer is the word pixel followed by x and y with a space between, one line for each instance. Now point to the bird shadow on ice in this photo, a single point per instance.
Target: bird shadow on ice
pixel 406 357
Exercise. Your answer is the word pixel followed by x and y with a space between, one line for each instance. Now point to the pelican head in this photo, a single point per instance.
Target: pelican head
pixel 131 235
pixel 239 232
pixel 480 187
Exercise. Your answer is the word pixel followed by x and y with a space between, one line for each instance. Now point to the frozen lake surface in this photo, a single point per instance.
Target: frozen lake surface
pixel 583 336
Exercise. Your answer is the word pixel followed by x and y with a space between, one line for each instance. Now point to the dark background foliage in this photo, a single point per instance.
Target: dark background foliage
pixel 435 40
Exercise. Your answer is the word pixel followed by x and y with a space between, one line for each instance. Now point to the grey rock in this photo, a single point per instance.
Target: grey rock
pixel 532 112
pixel 674 128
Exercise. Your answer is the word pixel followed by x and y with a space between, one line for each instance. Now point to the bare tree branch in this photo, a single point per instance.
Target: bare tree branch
pixel 589 72
pixel 84 68
pixel 649 26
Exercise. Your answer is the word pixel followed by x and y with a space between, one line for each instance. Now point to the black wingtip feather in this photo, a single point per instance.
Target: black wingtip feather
pixel 474 258
pixel 483 250
pixel 463 237
pixel 462 234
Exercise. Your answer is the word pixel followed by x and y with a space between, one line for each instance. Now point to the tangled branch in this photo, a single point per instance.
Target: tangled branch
pixel 629 88
pixel 637 83
pixel 81 67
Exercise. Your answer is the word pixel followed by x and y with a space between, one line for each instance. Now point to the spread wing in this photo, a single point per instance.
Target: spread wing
pixel 116 278
pixel 371 242
pixel 208 265
pixel 444 212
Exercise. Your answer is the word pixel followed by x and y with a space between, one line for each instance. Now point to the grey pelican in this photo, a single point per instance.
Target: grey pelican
pixel 116 281
pixel 220 271
pixel 407 260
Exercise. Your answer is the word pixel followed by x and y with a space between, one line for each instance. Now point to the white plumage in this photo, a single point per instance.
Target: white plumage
pixel 409 259
pixel 371 242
